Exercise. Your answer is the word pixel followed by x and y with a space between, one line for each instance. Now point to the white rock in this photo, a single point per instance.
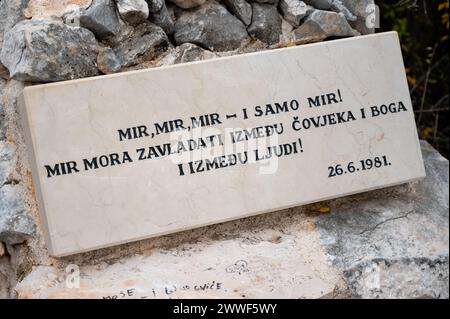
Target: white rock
pixel 294 11
pixel 133 11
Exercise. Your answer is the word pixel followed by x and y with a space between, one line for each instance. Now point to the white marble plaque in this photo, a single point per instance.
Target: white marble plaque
pixel 124 157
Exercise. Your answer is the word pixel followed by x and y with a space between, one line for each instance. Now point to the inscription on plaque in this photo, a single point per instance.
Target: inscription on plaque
pixel 129 156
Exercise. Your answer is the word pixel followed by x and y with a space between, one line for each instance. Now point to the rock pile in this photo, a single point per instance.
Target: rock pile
pixel 47 41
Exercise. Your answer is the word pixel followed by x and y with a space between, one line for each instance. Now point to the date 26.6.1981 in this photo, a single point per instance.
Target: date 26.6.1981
pixel 358 166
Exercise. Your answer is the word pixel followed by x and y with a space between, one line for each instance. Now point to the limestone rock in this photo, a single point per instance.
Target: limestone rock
pixel 339 7
pixel 53 8
pixel 266 23
pixel 133 12
pixel 49 50
pixel 323 24
pixel 146 43
pixel 163 19
pixel 186 4
pixel 11 12
pixel 394 243
pixel 266 1
pixel 320 4
pixel 366 14
pixel 15 224
pixel 241 9
pixel 294 11
pixel 286 36
pixel 210 26
pixel 189 52
pixel 2 115
pixel 101 18
pixel 6 162
pixel 155 5
pixel 107 61
pixel 16 221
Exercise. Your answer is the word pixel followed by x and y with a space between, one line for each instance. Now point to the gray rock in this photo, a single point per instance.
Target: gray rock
pixel 241 9
pixel 210 26
pixel 323 24
pixel 6 162
pixel 294 11
pixel 146 43
pixel 320 4
pixel 49 50
pixel 107 61
pixel 339 7
pixel 11 12
pixel 186 4
pixel 189 52
pixel 163 19
pixel 102 19
pixel 133 12
pixel 15 225
pixel 364 10
pixel 394 243
pixel 286 37
pixel 2 113
pixel 266 23
pixel 266 1
pixel 155 5
pixel 16 219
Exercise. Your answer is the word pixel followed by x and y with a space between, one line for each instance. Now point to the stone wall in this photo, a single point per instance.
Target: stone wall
pixel 46 41
pixel 355 251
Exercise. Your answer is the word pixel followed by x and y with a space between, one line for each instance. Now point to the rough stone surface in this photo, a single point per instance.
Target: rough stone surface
pixel 107 61
pixel 53 8
pixel 339 7
pixel 48 50
pixel 11 12
pixel 320 4
pixel 210 26
pixel 241 9
pixel 163 19
pixel 2 113
pixel 266 1
pixel 155 5
pixel 394 246
pixel 186 4
pixel 146 43
pixel 189 52
pixel 266 23
pixel 321 25
pixel 294 11
pixel 364 10
pixel 102 19
pixel 16 220
pixel 133 11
